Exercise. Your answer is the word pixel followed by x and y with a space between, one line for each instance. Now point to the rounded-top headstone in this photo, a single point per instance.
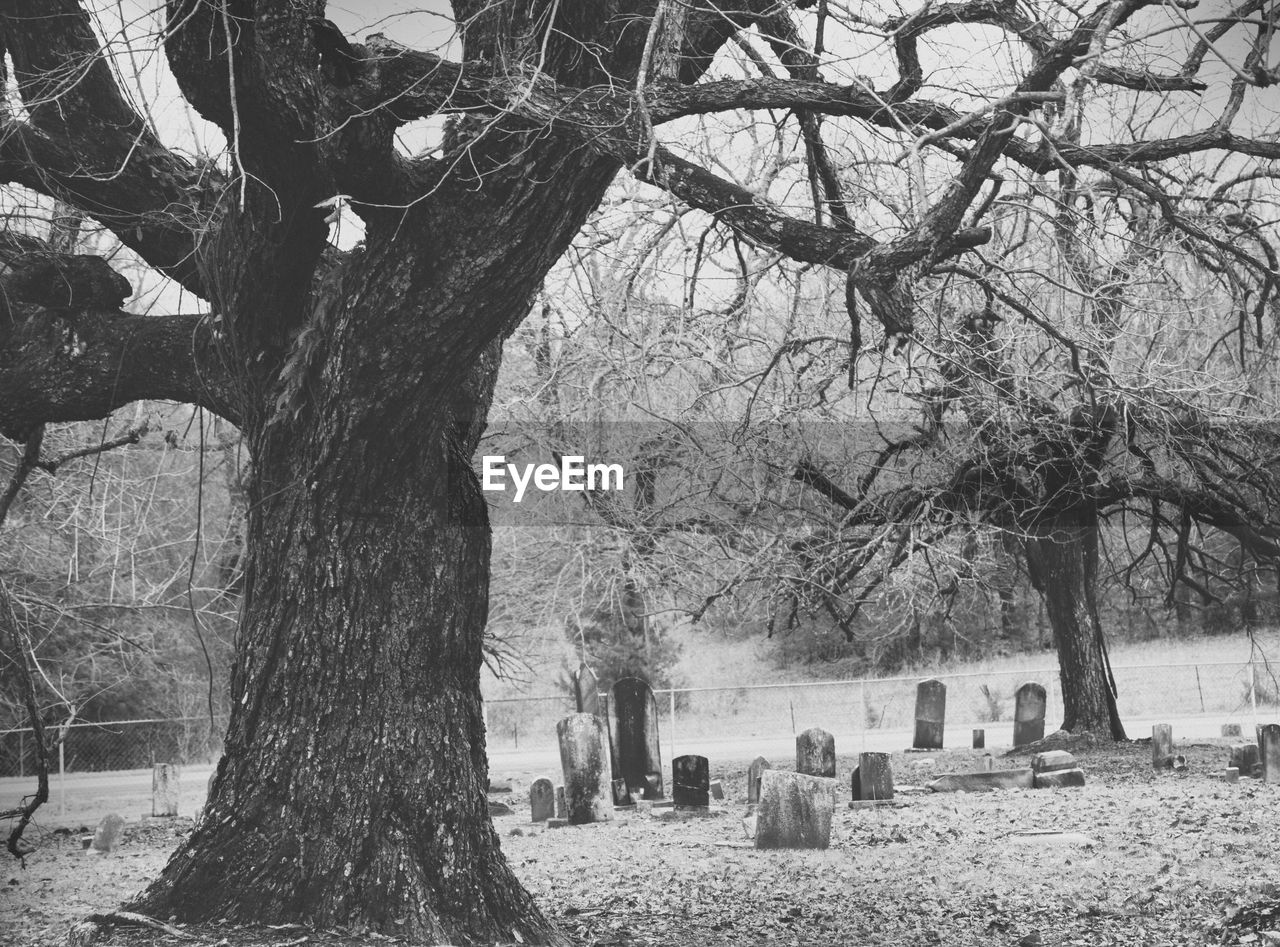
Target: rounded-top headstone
pixel 816 753
pixel 691 781
pixel 585 761
pixel 1030 705
pixel 542 800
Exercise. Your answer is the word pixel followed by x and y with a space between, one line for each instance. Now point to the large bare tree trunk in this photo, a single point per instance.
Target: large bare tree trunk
pixel 1063 554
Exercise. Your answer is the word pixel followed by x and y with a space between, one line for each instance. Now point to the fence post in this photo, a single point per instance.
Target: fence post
pixel 671 727
pixel 862 700
pixel 62 772
pixel 22 753
pixel 1253 690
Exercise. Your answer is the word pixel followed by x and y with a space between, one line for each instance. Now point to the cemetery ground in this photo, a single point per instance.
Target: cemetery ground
pixel 1142 858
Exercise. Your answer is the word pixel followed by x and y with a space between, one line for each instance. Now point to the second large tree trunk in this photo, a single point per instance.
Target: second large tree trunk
pixel 1063 554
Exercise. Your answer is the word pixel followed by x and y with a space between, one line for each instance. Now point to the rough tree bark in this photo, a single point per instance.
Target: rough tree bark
pixel 352 788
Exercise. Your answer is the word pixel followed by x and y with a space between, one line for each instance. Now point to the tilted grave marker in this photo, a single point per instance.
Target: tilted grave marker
pixel 758 766
pixel 586 690
pixel 1269 752
pixel 873 779
pixel 795 811
pixel 107 835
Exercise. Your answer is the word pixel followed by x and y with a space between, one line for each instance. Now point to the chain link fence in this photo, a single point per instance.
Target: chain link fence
pixel 117 745
pixel 1226 692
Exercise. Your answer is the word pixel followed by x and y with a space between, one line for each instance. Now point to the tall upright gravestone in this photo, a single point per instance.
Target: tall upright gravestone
pixel 1029 709
pixel 1269 752
pixel 586 690
pixel 931 714
pixel 586 769
pixel 633 738
pixel 165 791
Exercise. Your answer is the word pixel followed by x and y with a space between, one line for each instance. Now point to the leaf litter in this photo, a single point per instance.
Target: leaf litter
pixel 1174 859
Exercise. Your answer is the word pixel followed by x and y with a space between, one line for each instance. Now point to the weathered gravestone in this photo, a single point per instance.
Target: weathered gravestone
pixel 586 690
pixel 1269 751
pixel 816 753
pixel 1162 746
pixel 1056 769
pixel 691 781
pixel 562 811
pixel 586 769
pixel 979 739
pixel 107 835
pixel 633 738
pixel 1028 713
pixel 1244 757
pixel 873 779
pixel 542 800
pixel 758 766
pixel 931 714
pixel 1231 774
pixel 1232 730
pixel 794 812
pixel 621 794
pixel 164 789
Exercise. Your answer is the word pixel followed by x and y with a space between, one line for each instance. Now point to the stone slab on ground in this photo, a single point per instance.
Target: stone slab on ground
pixel 985 782
pixel 1059 779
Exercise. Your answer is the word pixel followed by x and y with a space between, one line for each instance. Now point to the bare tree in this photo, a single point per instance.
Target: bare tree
pixel 352 787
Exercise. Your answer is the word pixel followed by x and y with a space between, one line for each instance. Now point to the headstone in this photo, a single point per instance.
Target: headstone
pixel 984 782
pixel 873 779
pixel 1232 730
pixel 1244 757
pixel 164 789
pixel 1269 751
pixel 1162 746
pixel 585 762
pixel 562 811
pixel 1028 713
pixel 717 789
pixel 586 690
pixel 795 811
pixel 1059 779
pixel 758 766
pixel 633 737
pixel 1052 761
pixel 107 835
pixel 988 764
pixel 979 739
pixel 691 781
pixel 621 794
pixel 816 753
pixel 542 800
pixel 1231 775
pixel 931 714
